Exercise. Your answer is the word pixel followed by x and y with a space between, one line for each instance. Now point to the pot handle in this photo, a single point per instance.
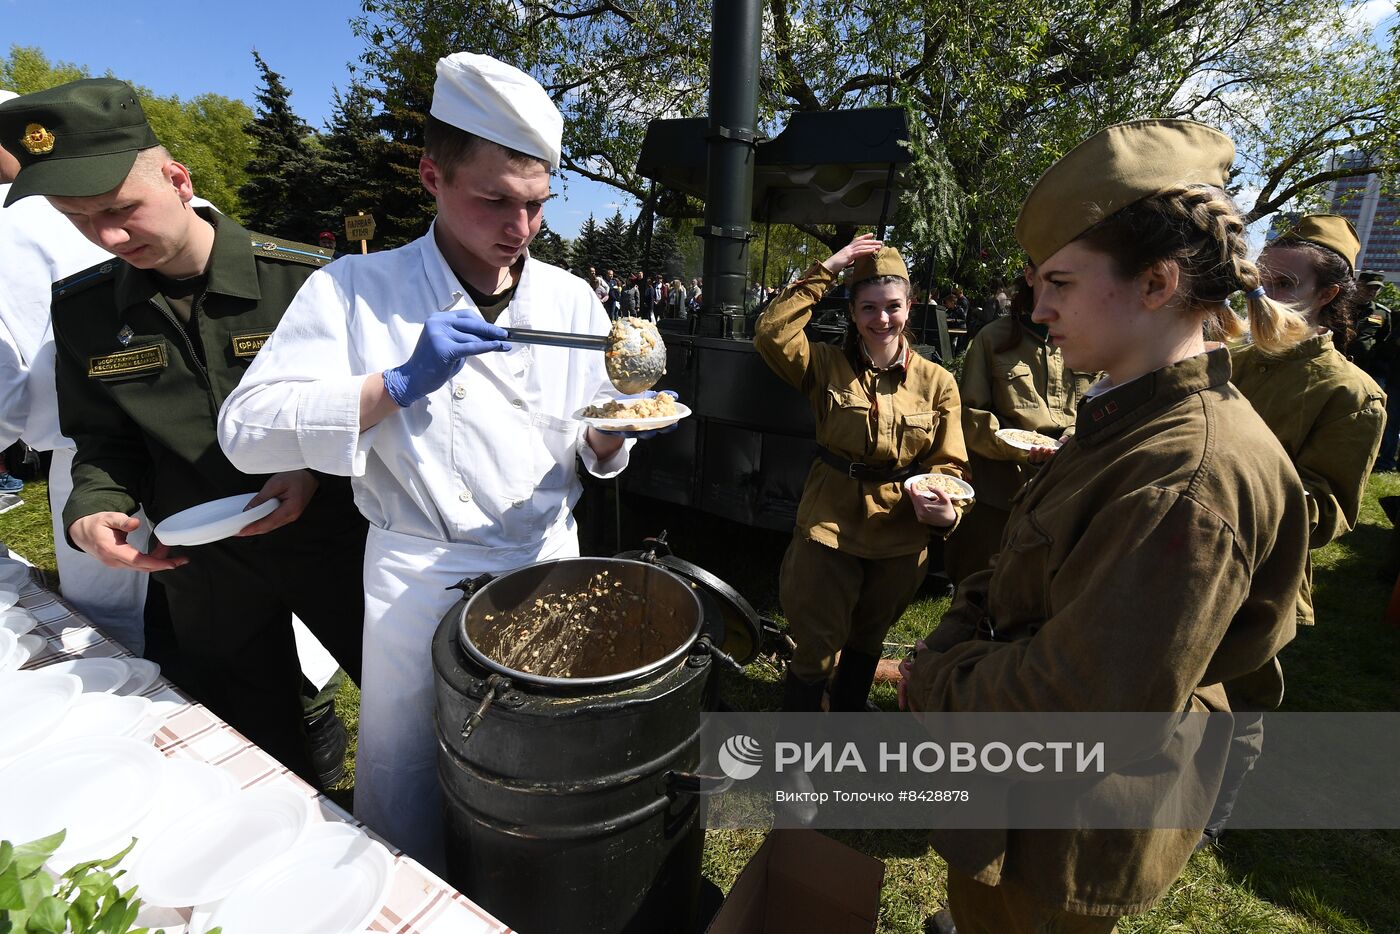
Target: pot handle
pixel 693 783
pixel 470 585
pixel 718 654
pixel 494 685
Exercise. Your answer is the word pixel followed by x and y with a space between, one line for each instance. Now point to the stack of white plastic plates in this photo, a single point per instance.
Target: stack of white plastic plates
pixel 31 704
pixel 96 788
pixel 333 881
pixel 203 856
pixel 98 675
pixel 9 596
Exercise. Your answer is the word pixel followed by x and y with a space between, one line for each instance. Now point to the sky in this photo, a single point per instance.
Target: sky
pixel 206 47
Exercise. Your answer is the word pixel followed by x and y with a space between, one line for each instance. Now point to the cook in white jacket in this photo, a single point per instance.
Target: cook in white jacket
pixel 39 247
pixel 386 368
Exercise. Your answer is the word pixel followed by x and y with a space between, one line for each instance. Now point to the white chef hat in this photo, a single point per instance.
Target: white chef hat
pixel 498 102
pixel 7 95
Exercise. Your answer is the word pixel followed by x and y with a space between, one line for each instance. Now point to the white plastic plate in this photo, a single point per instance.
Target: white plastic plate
pixel 634 424
pixel 212 521
pixel 99 675
pixel 13 573
pixel 9 596
pixel 101 715
pixel 334 880
pixel 30 646
pixel 31 704
pixel 1008 435
pixel 965 491
pixel 17 620
pixel 144 673
pixel 189 785
pixel 204 855
pixel 96 787
pixel 10 652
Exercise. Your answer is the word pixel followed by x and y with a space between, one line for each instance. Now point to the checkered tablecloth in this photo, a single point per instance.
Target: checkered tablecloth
pixel 419 902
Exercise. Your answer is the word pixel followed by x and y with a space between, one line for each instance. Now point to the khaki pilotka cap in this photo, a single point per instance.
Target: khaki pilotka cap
pixel 76 140
pixel 886 262
pixel 1330 231
pixel 1371 277
pixel 1118 166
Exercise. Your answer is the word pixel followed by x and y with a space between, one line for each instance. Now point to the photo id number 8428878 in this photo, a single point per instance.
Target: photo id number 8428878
pixel 937 795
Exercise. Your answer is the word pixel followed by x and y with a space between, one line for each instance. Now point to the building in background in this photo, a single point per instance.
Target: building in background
pixel 1373 211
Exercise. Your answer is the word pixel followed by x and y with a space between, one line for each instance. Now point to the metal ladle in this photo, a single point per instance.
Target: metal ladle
pixel 634 364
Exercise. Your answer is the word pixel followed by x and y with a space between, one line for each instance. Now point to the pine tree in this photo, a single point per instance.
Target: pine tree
pixel 286 167
pixel 664 256
pixel 583 254
pixel 353 152
pixel 549 247
pixel 614 247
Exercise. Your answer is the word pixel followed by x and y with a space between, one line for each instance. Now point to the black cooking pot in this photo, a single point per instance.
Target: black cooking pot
pixel 571 803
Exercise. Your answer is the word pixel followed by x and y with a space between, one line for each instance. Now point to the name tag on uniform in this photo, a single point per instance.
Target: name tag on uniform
pixel 131 362
pixel 248 345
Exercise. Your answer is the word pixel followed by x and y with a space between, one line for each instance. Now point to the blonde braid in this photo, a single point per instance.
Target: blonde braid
pixel 1220 266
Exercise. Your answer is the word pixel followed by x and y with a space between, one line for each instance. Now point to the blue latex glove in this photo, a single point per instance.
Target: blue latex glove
pixel 447 340
pixel 651 432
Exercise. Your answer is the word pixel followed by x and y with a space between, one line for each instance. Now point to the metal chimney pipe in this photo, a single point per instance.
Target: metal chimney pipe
pixel 736 31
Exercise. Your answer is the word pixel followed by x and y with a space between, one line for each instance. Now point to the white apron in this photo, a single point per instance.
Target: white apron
pixel 406 596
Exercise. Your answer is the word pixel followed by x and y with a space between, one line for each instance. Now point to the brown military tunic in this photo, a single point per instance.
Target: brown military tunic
pixel 858 553
pixel 1328 414
pixel 898 416
pixel 1027 387
pixel 1156 556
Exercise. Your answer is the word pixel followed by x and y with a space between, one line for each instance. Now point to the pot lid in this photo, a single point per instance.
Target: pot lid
pixel 742 631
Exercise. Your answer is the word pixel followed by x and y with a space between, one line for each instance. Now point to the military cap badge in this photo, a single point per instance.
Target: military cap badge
pixel 37 140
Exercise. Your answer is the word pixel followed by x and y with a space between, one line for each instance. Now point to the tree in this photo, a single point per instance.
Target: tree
pixel 549 247
pixel 615 246
pixel 584 252
pixel 286 167
pixel 204 134
pixel 352 152
pixel 996 91
pixel 664 255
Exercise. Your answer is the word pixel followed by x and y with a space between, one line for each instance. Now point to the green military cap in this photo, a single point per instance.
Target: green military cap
pixel 1116 167
pixel 1330 231
pixel 886 262
pixel 1371 277
pixel 75 140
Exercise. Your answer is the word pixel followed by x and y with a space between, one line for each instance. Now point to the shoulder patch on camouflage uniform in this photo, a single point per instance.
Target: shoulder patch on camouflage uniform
pixel 79 282
pixel 290 251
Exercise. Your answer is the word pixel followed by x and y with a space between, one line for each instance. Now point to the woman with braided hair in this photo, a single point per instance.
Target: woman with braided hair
pixel 1157 555
pixel 1326 412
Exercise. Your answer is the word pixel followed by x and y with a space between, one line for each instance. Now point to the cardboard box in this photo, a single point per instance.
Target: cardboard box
pixel 801 882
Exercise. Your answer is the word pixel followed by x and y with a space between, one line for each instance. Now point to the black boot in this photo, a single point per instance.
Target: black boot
pixel 851 686
pixel 801 697
pixel 325 732
pixel 941 923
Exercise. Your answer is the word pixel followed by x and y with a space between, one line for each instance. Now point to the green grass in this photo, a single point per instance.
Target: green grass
pixel 1256 882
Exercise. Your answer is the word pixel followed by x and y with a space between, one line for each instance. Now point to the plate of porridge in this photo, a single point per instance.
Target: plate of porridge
pixel 660 411
pixel 957 490
pixel 1026 440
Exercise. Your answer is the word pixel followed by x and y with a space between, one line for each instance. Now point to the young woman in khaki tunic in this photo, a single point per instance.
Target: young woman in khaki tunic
pixel 1158 553
pixel 883 414
pixel 1326 412
pixel 1013 377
